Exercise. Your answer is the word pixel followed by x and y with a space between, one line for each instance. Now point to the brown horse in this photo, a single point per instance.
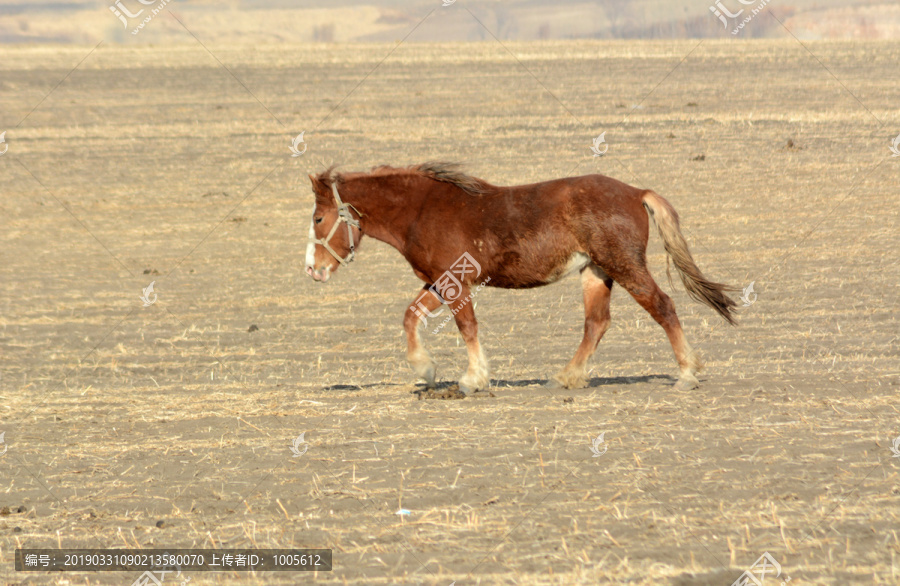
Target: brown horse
pixel 456 230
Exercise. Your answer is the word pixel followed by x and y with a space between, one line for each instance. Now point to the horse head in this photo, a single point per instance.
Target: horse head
pixel 330 246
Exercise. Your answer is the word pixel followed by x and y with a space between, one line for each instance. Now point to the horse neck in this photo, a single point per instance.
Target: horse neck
pixel 385 207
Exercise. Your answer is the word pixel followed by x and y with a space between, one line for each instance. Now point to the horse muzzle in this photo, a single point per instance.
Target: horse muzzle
pixel 319 275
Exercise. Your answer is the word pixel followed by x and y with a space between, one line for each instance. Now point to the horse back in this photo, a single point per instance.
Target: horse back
pixel 527 235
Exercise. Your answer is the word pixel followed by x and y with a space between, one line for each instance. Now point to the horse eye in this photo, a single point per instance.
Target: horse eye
pixel 318 220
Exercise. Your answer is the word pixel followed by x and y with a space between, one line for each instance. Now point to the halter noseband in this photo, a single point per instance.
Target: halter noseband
pixel 346 217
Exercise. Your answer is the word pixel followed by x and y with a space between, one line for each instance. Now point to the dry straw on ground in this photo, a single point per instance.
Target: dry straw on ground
pixel 118 416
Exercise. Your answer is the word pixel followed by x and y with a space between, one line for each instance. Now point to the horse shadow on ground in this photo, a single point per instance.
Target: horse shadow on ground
pixel 592 383
pixel 504 383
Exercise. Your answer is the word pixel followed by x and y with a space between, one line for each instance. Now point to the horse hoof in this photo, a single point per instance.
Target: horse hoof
pixel 564 381
pixel 466 390
pixel 429 376
pixel 687 384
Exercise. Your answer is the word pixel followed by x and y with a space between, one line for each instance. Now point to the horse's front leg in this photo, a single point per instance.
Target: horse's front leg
pixel 476 377
pixel 416 314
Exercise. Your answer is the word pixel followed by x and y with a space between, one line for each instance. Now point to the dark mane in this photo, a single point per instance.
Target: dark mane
pixel 328 175
pixel 451 173
pixel 439 171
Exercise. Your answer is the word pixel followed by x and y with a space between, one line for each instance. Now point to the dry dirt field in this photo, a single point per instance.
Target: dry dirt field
pixel 171 425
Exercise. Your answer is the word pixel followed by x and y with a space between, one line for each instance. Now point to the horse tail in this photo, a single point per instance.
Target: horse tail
pixel 698 287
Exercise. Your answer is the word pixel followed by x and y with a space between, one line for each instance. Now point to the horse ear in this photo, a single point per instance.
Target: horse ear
pixel 319 187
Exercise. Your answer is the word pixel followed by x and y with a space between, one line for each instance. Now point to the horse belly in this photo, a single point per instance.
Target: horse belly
pixel 517 276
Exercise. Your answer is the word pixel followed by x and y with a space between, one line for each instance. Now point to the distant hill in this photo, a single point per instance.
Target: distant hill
pixel 273 21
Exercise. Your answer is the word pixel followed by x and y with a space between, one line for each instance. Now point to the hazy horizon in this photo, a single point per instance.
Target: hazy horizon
pixel 251 21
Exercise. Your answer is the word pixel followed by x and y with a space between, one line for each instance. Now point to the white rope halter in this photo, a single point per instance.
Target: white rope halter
pixel 346 217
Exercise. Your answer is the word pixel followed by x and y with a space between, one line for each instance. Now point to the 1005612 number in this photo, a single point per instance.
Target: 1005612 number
pixel 298 560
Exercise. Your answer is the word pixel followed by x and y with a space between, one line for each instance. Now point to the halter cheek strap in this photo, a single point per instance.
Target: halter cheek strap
pixel 346 217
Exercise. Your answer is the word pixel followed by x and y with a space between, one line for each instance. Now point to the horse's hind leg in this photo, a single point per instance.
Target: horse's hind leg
pixel 419 358
pixel 596 286
pixel 647 293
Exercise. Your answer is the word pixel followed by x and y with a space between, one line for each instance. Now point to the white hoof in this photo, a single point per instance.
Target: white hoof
pixel 424 366
pixel 469 383
pixel 687 382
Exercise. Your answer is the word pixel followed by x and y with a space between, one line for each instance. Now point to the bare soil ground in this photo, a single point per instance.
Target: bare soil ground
pixel 171 164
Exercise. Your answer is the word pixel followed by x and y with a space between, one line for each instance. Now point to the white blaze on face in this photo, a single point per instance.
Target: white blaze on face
pixel 311 245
